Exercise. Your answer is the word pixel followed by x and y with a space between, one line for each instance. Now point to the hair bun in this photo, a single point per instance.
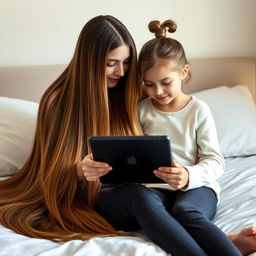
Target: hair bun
pixel 169 25
pixel 160 29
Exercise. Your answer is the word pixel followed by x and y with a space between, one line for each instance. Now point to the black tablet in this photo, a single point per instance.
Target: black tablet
pixel 133 158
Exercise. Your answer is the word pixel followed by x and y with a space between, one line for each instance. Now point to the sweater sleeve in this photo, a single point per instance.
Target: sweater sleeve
pixel 210 164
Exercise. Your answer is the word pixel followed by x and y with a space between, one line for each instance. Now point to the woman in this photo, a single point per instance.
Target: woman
pixel 97 89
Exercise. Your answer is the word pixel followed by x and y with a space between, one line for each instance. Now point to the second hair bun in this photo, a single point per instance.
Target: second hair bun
pixel 160 29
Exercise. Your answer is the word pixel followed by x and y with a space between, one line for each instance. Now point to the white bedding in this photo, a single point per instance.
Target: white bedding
pixel 237 209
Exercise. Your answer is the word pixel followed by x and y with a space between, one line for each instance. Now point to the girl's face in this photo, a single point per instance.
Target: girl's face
pixel 117 64
pixel 163 82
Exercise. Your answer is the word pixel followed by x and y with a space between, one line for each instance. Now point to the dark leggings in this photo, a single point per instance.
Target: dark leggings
pixel 179 222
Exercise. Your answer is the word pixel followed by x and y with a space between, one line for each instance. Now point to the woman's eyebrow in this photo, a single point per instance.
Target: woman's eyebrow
pixel 117 59
pixel 112 60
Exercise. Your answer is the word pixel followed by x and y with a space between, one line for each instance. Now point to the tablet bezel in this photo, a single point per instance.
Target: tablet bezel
pixel 149 149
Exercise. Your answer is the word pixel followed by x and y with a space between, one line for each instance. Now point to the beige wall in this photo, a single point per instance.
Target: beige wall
pixel 45 32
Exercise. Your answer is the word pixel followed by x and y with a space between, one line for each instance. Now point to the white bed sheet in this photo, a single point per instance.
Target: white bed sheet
pixel 237 209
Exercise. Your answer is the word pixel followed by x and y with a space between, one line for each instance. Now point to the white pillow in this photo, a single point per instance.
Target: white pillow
pixel 234 112
pixel 17 129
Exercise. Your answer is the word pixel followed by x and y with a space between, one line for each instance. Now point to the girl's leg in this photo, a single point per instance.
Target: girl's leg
pixel 194 209
pixel 133 206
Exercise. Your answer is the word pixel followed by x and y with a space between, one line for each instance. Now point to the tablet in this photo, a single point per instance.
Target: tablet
pixel 133 158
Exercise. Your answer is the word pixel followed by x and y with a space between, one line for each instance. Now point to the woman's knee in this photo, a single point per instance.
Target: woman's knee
pixel 132 197
pixel 125 192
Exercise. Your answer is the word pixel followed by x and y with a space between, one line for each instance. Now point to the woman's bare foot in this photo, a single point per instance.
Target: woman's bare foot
pixel 245 241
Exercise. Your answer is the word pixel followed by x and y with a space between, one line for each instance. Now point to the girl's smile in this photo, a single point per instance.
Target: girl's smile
pixel 161 98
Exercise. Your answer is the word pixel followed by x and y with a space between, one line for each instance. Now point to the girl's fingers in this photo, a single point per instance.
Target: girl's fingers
pixel 165 169
pixel 169 170
pixel 166 175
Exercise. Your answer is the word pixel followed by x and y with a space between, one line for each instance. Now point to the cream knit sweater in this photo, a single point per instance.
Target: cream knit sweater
pixel 194 141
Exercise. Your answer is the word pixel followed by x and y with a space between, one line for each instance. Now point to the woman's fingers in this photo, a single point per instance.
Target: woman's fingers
pixel 96 171
pixel 95 176
pixel 90 162
pixel 91 169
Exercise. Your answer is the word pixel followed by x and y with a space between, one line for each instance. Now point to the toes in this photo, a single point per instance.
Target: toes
pixel 249 231
pixel 254 230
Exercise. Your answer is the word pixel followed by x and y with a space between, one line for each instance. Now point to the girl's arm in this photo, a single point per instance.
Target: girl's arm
pixel 210 164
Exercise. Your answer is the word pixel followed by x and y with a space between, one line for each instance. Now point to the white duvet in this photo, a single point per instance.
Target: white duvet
pixel 237 209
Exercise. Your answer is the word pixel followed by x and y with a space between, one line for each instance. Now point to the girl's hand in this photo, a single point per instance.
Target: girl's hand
pixel 91 169
pixel 176 176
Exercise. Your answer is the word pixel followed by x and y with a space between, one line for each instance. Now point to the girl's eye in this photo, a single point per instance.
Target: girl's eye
pixel 167 83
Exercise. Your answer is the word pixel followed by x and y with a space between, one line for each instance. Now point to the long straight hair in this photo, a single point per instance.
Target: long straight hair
pixel 44 199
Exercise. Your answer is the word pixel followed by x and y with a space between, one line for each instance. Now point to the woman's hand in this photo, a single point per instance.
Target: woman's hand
pixel 91 169
pixel 176 176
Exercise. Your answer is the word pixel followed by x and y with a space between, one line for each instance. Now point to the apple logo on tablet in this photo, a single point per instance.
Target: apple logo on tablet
pixel 132 160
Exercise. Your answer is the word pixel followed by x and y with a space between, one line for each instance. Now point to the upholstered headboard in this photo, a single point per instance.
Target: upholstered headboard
pixel 209 73
pixel 29 82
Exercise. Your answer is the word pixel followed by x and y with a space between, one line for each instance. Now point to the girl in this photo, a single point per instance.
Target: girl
pixel 198 161
pixel 44 199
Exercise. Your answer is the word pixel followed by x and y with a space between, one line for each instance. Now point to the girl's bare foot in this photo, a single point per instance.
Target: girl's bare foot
pixel 245 241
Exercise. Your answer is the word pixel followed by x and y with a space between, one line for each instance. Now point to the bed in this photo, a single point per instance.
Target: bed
pixel 228 85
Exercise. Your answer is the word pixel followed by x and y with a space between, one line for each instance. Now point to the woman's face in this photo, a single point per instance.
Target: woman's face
pixel 117 64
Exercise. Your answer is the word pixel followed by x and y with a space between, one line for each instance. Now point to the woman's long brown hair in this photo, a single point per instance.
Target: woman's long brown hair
pixel 44 199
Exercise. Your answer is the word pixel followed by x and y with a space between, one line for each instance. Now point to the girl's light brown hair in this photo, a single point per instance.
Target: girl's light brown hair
pixel 162 47
pixel 44 199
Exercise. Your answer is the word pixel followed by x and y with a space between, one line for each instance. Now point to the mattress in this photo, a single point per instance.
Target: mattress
pixel 236 209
